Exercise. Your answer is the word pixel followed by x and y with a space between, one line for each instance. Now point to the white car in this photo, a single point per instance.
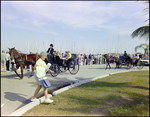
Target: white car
pixel 145 61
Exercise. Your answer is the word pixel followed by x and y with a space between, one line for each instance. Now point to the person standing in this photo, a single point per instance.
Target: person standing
pixel 78 59
pixel 12 64
pixel 97 59
pixel 40 68
pixel 85 58
pixel 7 61
pixel 3 60
pixel 103 62
pixel 90 59
pixel 100 58
pixel 82 59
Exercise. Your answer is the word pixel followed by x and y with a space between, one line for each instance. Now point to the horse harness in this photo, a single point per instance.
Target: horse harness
pixel 21 60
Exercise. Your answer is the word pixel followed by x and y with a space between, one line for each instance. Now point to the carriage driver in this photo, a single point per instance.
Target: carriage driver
pixel 50 52
pixel 125 55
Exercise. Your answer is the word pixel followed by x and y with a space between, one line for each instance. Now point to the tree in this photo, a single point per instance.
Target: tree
pixel 144 30
pixel 144 46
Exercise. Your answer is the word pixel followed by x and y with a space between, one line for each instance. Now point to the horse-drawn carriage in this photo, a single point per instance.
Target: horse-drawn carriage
pixel 130 63
pixel 127 62
pixel 57 64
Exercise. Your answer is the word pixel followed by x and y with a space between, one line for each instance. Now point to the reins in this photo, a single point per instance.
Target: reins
pixel 18 57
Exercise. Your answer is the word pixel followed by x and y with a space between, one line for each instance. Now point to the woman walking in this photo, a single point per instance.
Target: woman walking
pixel 40 70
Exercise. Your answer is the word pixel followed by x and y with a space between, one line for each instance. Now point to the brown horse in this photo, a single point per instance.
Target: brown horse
pixel 111 60
pixel 22 59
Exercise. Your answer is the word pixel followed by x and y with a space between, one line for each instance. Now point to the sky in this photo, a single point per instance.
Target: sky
pixel 78 26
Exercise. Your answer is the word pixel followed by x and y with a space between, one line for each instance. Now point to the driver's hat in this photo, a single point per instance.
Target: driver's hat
pixel 51 45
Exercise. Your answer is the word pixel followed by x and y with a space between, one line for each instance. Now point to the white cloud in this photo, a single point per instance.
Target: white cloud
pixel 8 16
pixel 76 14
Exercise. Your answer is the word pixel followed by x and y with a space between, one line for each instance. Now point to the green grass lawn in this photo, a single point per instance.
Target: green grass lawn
pixel 120 94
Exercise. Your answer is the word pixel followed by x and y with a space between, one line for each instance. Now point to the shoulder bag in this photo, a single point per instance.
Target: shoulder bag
pixel 46 83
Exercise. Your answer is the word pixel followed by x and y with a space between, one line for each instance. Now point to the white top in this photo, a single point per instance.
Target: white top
pixel 8 56
pixel 41 63
pixel 40 72
pixel 40 69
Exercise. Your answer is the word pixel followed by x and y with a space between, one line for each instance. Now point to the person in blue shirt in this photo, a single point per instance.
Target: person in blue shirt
pixel 90 59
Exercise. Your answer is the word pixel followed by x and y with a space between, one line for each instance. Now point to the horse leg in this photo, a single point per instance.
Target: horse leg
pixel 21 72
pixel 106 66
pixel 31 72
pixel 116 65
pixel 109 65
pixel 16 71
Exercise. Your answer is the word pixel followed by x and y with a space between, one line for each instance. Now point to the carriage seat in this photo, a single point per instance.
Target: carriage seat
pixel 58 60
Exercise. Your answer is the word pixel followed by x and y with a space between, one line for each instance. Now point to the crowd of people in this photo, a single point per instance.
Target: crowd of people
pixel 82 59
pixel 5 61
pixel 94 59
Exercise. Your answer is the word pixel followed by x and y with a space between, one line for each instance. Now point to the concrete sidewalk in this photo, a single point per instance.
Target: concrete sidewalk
pixel 18 93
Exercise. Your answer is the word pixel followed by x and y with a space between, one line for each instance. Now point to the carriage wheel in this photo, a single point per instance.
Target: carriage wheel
pixel 73 69
pixel 62 69
pixel 54 68
pixel 140 65
pixel 128 65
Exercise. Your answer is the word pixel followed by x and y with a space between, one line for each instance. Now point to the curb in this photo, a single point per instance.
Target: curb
pixel 29 106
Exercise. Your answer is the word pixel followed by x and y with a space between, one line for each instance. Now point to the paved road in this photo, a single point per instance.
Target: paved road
pixel 16 93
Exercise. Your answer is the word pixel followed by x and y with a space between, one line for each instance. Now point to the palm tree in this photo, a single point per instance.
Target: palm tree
pixel 144 46
pixel 144 30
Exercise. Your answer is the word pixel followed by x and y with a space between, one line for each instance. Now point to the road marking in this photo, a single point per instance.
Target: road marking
pixel 2 105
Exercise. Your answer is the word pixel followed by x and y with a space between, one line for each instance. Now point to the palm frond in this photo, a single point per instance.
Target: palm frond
pixel 143 45
pixel 141 32
pixel 146 20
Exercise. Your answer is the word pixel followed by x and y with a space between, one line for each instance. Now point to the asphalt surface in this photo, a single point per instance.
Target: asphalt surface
pixel 16 93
